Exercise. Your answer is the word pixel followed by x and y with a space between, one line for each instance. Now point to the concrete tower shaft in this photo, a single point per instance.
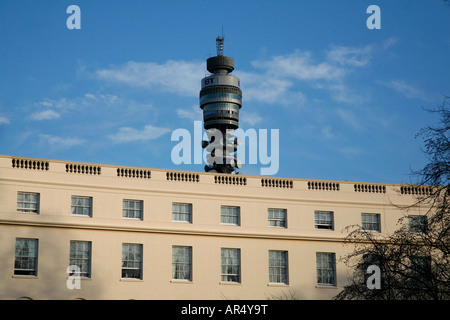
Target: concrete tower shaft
pixel 221 100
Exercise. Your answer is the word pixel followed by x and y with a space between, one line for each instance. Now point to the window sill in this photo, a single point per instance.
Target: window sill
pixel 135 219
pixel 324 286
pixel 80 278
pixel 276 284
pixel 181 281
pixel 230 283
pixel 131 280
pixel 20 276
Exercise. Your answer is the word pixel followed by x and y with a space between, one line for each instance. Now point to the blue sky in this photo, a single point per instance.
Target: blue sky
pixel 348 101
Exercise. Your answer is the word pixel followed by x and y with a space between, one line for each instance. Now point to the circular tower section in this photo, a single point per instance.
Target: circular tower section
pixel 221 100
pixel 220 96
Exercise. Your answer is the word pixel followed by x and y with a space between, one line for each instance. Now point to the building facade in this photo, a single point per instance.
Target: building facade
pixel 94 231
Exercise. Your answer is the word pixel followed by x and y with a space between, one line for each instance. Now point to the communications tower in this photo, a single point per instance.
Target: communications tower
pixel 220 100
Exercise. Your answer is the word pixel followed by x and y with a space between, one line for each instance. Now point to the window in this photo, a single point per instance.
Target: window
pixel 25 262
pixel 277 218
pixel 182 212
pixel 324 220
pixel 278 266
pixel 28 202
pixel 326 268
pixel 371 222
pixel 80 256
pixel 82 206
pixel 231 265
pixel 230 215
pixel 420 272
pixel 418 224
pixel 132 260
pixel 132 209
pixel 182 263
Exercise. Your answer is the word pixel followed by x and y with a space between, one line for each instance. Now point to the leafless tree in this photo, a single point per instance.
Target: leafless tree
pixel 414 260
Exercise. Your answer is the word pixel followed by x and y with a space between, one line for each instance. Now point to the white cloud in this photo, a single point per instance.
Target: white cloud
pixel 60 143
pixel 349 118
pixel 128 134
pixel 409 91
pixel 45 115
pixel 173 76
pixel 4 120
pixel 299 65
pixel 250 118
pixel 350 56
pixel 194 114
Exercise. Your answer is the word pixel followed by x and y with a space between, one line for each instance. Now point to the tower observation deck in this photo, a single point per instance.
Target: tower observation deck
pixel 221 100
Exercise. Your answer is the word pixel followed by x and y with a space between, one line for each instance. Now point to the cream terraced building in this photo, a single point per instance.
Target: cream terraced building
pixel 93 231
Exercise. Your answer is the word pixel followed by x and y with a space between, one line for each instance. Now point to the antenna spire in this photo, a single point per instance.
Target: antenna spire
pixel 219 44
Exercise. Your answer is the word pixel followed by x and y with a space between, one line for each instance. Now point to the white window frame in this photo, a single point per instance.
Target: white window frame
pixel 29 257
pixel 230 262
pixel 277 218
pixel 30 205
pixel 134 258
pixel 278 267
pixel 326 268
pixel 323 224
pixel 372 223
pixel 182 263
pixel 182 212
pixel 81 255
pixel 228 216
pixel 83 206
pixel 137 213
pixel 419 226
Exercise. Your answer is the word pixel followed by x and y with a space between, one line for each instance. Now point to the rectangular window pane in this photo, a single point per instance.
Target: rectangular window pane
pixel 80 255
pixel 418 224
pixel 323 220
pixel 231 265
pixel 81 206
pixel 277 218
pixel 28 202
pixel 132 209
pixel 326 268
pixel 132 260
pixel 230 215
pixel 182 263
pixel 278 267
pixel 26 252
pixel 371 222
pixel 182 212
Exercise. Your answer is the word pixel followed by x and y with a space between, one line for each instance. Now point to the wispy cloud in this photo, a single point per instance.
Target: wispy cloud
pixel 300 66
pixel 250 118
pixel 45 115
pixel 179 77
pixel 129 134
pixel 350 56
pixel 193 114
pixel 4 120
pixel 406 89
pixel 349 118
pixel 59 142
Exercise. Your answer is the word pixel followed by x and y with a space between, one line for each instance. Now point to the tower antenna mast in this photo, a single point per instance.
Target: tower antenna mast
pixel 219 45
